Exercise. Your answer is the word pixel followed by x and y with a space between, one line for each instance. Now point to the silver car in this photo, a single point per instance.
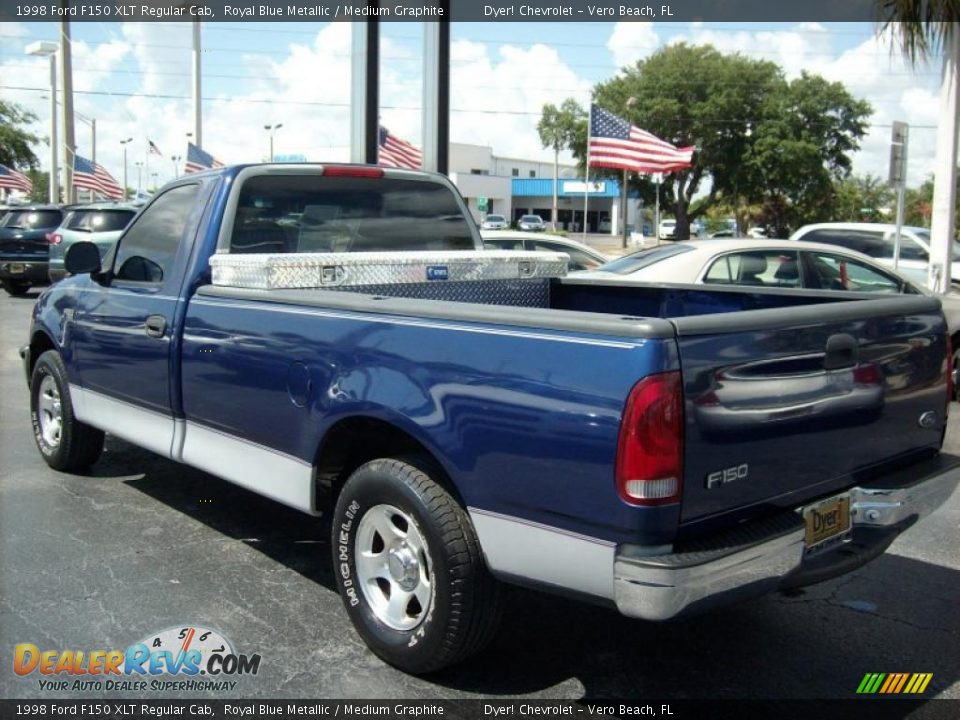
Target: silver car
pixel 100 223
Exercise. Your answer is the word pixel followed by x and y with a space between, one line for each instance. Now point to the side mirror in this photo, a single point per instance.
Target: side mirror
pixel 81 258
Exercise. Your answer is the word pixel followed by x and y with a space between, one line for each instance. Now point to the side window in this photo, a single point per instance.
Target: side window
pixel 502 244
pixel 146 253
pixel 578 260
pixel 770 268
pixel 838 272
pixel 909 249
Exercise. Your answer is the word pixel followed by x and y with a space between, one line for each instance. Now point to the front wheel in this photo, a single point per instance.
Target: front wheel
pixel 409 567
pixel 64 442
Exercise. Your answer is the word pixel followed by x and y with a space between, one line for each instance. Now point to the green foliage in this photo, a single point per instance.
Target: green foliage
pixel 920 27
pixel 558 127
pixel 15 141
pixel 41 185
pixel 859 198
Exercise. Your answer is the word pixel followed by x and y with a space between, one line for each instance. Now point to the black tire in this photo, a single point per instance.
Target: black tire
pixel 464 608
pixel 16 288
pixel 77 446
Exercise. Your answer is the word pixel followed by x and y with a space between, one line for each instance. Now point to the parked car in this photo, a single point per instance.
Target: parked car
pixel 24 250
pixel 876 240
pixel 100 223
pixel 539 438
pixel 582 257
pixel 757 233
pixel 668 229
pixel 531 223
pixel 773 264
pixel 494 222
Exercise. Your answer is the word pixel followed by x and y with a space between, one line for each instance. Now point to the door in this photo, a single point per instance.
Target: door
pixel 124 328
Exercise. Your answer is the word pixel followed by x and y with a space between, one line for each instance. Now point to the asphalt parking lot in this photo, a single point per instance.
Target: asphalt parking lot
pixel 143 544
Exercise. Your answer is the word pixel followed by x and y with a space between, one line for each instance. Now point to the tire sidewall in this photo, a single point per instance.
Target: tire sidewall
pixel 374 484
pixel 48 367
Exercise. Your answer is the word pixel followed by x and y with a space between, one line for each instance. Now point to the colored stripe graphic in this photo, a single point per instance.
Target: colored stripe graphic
pixel 894 683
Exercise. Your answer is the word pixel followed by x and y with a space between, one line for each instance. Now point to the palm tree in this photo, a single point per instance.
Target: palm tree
pixel 557 128
pixel 922 28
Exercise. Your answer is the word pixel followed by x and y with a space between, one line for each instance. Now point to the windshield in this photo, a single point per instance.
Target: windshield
pixel 33 219
pixel 924 235
pixel 99 220
pixel 494 218
pixel 531 218
pixel 639 260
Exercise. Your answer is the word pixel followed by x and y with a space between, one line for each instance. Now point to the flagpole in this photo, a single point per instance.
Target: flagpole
pixel 656 215
pixel 586 179
pixel 147 164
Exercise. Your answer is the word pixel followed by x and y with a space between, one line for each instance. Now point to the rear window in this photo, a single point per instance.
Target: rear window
pixel 639 260
pixel 99 220
pixel 33 219
pixel 309 213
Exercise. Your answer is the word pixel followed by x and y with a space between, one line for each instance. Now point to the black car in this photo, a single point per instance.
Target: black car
pixel 24 248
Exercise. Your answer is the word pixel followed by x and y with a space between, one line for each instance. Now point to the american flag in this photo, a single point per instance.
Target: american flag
pixel 615 143
pixel 10 179
pixel 91 176
pixel 397 153
pixel 198 160
pixel 152 146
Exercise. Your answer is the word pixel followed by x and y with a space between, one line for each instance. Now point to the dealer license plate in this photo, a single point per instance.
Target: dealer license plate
pixel 826 521
pixel 17 268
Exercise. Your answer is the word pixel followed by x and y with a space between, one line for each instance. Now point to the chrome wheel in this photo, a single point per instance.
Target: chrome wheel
pixel 50 411
pixel 393 567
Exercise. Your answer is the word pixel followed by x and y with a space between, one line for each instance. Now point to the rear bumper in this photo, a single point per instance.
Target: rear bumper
pixel 762 556
pixel 32 271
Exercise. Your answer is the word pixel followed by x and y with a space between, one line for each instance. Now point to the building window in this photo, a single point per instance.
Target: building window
pixel 533 173
pixel 515 172
pixel 478 171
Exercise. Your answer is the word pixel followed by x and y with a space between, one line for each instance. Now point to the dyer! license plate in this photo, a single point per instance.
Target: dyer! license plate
pixel 826 520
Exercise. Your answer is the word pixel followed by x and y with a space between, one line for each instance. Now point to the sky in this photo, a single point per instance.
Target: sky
pixel 135 80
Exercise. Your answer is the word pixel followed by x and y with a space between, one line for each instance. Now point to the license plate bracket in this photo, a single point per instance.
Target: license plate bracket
pixel 17 268
pixel 827 522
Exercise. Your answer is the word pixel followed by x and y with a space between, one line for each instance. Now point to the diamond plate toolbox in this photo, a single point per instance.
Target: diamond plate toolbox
pixel 492 277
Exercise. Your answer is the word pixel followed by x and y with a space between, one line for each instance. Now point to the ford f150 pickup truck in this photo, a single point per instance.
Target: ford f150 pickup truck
pixel 329 336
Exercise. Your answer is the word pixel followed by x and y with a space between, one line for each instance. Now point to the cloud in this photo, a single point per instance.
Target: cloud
pixel 632 41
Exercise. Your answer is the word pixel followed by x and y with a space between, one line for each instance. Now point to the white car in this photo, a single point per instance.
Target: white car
pixel 668 229
pixel 772 263
pixel 582 257
pixel 494 222
pixel 876 240
pixel 532 223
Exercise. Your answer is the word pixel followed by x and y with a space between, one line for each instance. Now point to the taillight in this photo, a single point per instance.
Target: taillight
pixel 352 171
pixel 868 374
pixel 54 238
pixel 650 448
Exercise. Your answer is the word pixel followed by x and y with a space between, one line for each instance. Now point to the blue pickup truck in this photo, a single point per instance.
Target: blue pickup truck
pixel 659 449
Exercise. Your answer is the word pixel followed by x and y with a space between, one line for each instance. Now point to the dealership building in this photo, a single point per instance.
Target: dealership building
pixel 513 187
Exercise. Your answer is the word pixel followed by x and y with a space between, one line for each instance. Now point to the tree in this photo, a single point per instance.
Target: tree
pixel 800 147
pixel 860 198
pixel 558 128
pixel 15 141
pixel 41 185
pixel 922 28
pixel 695 95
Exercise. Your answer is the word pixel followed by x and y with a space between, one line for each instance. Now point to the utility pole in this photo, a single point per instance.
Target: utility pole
pixel 69 139
pixel 197 101
pixel 943 221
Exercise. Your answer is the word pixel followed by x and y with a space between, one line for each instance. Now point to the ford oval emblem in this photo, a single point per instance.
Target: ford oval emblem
pixel 928 419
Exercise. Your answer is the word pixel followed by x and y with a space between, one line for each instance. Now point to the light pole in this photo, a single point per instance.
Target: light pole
pixel 628 106
pixel 270 129
pixel 153 182
pixel 92 122
pixel 49 49
pixel 139 166
pixel 124 144
pixel 176 171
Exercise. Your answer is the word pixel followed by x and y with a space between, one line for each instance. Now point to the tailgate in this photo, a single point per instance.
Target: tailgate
pixel 23 244
pixel 785 405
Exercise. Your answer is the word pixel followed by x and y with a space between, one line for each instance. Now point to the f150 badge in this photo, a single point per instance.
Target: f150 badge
pixel 727 475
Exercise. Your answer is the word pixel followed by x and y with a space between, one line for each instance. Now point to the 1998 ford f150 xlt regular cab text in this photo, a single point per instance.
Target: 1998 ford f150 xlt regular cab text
pixel 334 337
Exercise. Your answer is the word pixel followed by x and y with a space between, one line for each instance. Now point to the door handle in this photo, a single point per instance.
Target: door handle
pixel 843 351
pixel 156 325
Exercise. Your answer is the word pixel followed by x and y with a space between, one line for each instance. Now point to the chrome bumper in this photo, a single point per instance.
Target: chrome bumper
pixel 753 560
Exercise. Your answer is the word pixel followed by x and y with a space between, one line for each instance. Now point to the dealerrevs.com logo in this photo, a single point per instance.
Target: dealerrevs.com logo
pixel 179 659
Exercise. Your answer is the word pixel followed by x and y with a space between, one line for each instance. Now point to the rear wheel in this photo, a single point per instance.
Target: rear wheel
pixel 15 287
pixel 65 442
pixel 409 567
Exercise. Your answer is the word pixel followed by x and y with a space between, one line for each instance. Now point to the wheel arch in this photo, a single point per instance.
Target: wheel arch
pixel 40 342
pixel 354 440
